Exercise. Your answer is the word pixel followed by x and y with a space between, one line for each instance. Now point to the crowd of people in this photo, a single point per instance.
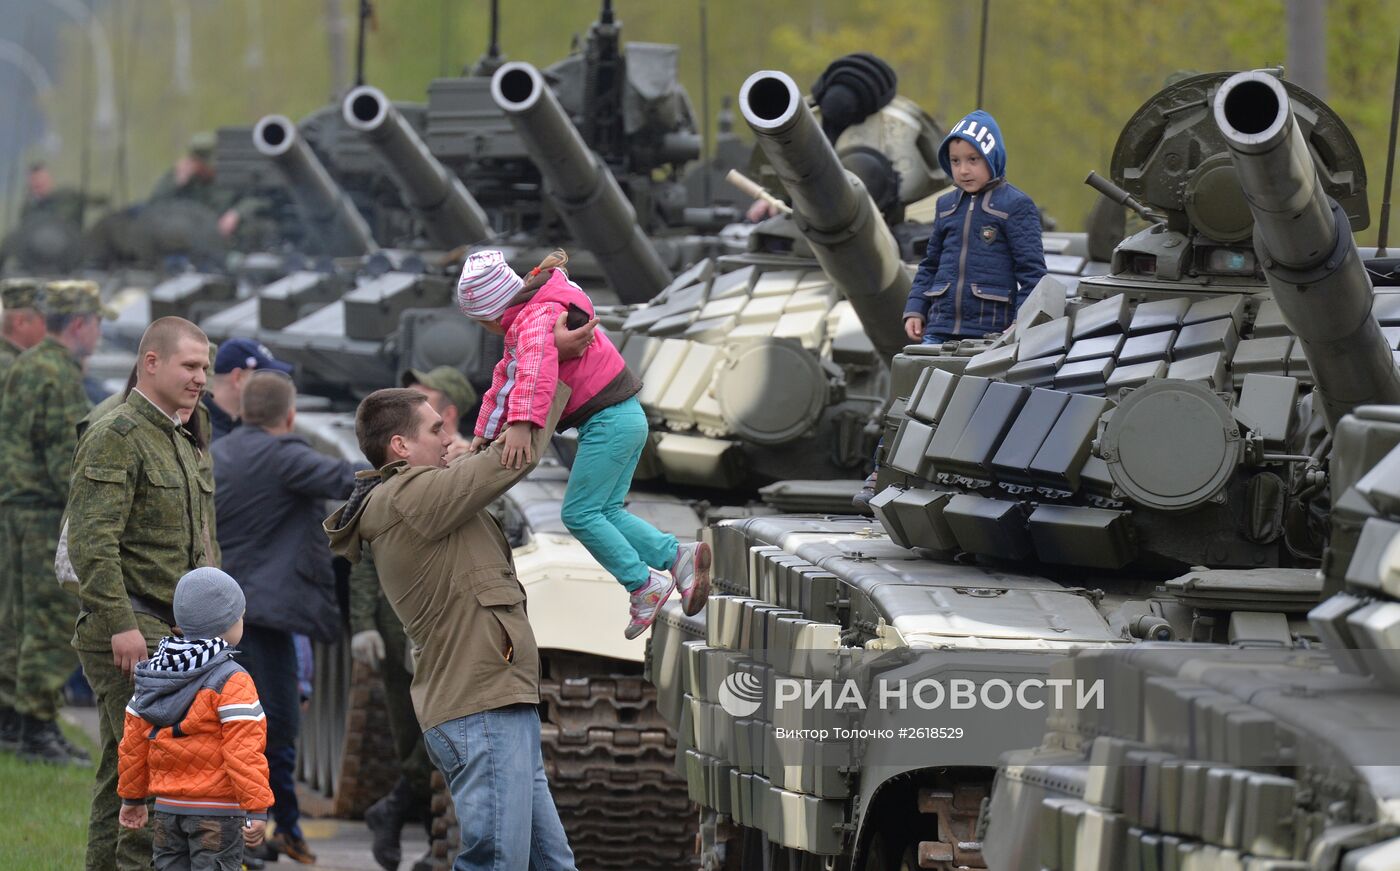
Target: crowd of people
pixel 186 514
pixel 108 512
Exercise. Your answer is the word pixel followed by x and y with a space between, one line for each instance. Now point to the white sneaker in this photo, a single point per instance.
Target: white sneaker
pixel 691 570
pixel 647 601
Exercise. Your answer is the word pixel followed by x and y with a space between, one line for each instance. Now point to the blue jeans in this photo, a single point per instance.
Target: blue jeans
pixel 609 445
pixel 495 772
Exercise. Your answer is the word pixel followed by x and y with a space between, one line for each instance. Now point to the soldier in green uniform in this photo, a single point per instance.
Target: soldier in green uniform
pixel 136 523
pixel 22 328
pixel 40 405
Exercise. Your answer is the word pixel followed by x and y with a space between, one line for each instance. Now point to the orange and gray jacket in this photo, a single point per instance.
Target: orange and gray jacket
pixel 194 739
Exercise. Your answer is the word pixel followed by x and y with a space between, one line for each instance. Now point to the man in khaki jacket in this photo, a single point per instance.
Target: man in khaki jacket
pixel 446 569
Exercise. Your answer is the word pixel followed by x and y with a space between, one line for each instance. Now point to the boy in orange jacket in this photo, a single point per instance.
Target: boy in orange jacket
pixel 194 736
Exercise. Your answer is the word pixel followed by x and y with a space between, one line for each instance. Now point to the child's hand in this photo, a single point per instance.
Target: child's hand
pixel 518 453
pixel 914 328
pixel 133 816
pixel 253 832
pixel 478 445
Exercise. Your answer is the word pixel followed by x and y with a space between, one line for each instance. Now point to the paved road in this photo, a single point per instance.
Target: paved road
pixel 343 845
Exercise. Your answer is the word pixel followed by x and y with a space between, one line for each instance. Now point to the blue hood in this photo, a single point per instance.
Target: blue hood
pixel 982 131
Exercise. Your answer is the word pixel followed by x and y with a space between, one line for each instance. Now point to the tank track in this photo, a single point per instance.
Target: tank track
pixel 445 833
pixel 610 759
pixel 369 761
pixel 957 846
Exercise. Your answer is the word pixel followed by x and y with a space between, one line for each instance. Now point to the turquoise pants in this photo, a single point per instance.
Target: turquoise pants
pixel 609 445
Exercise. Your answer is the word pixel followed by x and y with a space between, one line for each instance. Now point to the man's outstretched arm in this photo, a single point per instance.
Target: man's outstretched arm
pixel 435 504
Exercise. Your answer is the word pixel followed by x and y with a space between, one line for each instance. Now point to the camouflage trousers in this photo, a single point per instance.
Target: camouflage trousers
pixel 109 845
pixel 403 722
pixel 43 659
pixel 9 633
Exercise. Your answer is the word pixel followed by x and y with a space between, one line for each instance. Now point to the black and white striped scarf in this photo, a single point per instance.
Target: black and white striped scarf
pixel 177 654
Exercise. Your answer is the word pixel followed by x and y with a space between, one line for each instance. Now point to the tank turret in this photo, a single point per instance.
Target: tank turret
pixel 831 207
pixel 1305 246
pixel 448 213
pixel 580 185
pixel 324 204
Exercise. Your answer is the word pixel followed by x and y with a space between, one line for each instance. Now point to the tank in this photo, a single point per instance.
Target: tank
pixel 333 218
pixel 1133 487
pixel 449 215
pixel 580 186
pixel 766 372
pixel 413 172
pixel 357 324
pixel 831 207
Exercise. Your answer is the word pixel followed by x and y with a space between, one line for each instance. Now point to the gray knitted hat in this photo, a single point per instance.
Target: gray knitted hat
pixel 207 603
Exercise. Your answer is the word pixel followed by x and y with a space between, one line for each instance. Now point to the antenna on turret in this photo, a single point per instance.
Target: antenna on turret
pixel 982 53
pixel 705 101
pixel 493 59
pixel 493 49
pixel 1384 228
pixel 366 13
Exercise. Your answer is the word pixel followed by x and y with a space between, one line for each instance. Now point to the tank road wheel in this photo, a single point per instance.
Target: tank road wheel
pixel 611 758
pixel 446 836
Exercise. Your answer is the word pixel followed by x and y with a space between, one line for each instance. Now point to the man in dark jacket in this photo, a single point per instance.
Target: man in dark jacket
pixel 234 363
pixel 270 484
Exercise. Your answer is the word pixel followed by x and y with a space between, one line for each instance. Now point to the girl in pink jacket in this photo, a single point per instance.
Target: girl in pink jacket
pixel 612 428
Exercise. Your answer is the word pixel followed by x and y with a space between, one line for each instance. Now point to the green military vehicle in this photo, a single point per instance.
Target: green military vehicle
pixel 1138 484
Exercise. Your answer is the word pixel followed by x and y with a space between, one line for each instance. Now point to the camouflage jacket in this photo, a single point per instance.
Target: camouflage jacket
pixel 136 513
pixel 9 352
pixel 206 459
pixel 366 596
pixel 40 406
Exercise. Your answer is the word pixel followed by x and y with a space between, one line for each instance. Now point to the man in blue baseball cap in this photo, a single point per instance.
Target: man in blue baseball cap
pixel 237 358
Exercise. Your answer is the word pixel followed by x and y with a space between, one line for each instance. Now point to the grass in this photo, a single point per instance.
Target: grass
pixel 44 809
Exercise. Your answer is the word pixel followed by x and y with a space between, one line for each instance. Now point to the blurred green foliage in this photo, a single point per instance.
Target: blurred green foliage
pixel 1062 77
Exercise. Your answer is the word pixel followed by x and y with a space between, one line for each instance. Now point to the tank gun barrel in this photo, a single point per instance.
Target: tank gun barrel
pixel 1306 247
pixel 450 215
pixel 581 186
pixel 327 207
pixel 831 207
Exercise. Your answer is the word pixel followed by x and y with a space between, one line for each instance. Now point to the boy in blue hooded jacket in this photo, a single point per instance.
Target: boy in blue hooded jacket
pixel 985 254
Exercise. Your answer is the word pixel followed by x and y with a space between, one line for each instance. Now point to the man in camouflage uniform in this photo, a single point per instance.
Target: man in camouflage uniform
pixel 136 523
pixel 22 329
pixel 40 406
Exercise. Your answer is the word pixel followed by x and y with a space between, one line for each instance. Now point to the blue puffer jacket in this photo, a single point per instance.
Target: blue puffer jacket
pixel 985 254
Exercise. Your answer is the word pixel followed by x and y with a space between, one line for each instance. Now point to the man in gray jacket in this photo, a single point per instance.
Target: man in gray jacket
pixel 270 486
